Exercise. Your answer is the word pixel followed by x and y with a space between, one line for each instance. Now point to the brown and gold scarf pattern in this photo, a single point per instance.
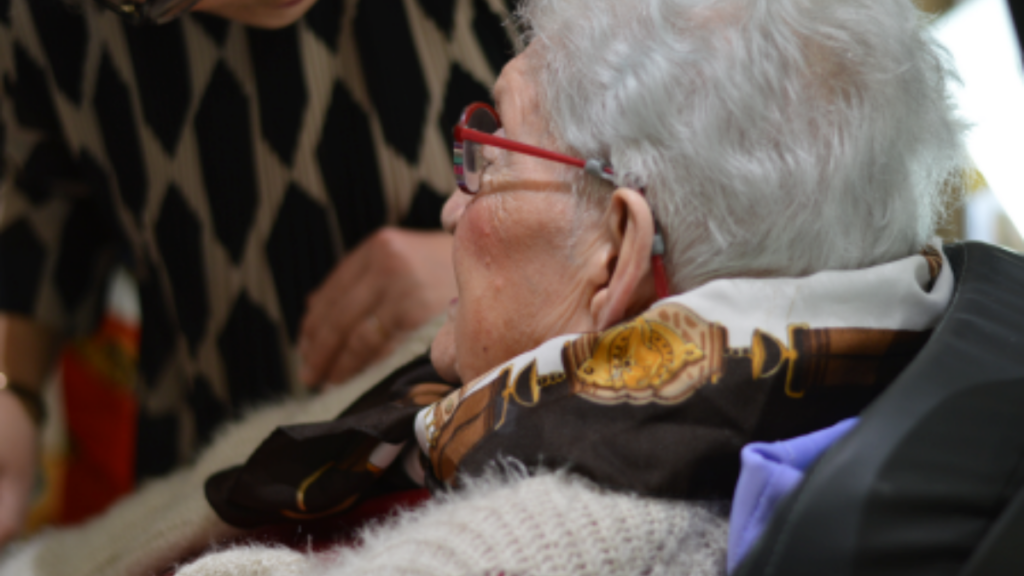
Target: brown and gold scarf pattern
pixel 660 405
pixel 306 472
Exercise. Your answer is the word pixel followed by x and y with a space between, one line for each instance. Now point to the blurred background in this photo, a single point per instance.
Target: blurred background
pixel 982 41
pixel 82 475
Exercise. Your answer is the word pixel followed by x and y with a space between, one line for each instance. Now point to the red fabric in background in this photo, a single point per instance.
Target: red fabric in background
pixel 101 413
pixel 324 534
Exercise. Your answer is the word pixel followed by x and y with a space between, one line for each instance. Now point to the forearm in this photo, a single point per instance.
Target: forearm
pixel 26 351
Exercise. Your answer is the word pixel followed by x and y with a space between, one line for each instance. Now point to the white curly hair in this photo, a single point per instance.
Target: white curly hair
pixel 774 137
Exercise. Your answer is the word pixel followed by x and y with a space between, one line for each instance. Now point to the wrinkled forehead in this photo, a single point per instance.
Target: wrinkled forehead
pixel 517 92
pixel 516 85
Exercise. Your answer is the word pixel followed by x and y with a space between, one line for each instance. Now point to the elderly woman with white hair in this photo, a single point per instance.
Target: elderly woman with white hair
pixel 684 226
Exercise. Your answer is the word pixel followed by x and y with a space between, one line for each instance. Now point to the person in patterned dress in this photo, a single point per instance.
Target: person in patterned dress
pixel 270 172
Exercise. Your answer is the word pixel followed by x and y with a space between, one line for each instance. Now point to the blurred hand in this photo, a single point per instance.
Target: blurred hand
pixel 18 449
pixel 389 285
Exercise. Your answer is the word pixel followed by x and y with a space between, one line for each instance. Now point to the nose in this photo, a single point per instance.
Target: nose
pixel 453 209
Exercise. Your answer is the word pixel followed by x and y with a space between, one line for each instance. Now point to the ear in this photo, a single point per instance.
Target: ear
pixel 630 286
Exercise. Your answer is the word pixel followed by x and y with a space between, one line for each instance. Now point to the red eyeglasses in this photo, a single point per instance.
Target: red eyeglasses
pixel 476 128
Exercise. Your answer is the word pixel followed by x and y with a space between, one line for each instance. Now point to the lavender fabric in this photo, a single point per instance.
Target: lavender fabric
pixel 770 471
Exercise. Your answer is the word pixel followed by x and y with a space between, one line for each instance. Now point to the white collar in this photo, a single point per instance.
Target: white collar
pixel 891 296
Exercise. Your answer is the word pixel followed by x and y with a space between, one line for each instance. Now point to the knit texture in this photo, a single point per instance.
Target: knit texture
pixel 547 524
pixel 251 561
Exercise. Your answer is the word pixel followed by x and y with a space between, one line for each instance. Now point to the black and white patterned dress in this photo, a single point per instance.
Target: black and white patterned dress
pixel 229 168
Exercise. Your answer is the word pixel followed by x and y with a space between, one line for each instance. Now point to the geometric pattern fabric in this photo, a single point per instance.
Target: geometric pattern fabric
pixel 228 168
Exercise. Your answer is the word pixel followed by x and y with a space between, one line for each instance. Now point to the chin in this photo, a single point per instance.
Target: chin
pixel 443 354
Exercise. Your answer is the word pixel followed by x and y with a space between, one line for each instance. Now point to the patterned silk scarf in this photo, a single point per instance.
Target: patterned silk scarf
pixel 660 405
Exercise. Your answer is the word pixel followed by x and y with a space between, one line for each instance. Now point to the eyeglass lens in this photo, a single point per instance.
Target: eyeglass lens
pixel 473 161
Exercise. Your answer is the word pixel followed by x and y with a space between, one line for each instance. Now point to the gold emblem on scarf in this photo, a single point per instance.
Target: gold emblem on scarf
pixel 768 355
pixel 638 355
pixel 663 356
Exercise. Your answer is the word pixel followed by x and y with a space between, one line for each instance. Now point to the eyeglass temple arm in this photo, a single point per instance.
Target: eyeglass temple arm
pixel 658 263
pixel 658 257
pixel 462 133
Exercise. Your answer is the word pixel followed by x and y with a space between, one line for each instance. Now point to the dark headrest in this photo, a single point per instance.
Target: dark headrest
pixel 930 481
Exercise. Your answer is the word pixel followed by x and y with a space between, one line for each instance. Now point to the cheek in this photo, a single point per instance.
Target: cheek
pixel 484 251
pixel 508 270
pixel 478 257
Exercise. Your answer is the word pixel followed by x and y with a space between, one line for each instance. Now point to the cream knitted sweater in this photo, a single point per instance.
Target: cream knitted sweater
pixel 544 525
pixel 549 524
